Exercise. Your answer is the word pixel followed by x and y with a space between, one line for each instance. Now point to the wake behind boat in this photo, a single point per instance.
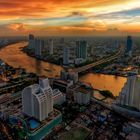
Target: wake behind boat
pixel 48 70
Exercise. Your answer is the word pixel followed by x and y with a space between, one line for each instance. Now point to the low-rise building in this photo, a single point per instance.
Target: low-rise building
pixel 82 95
pixel 58 97
pixel 132 127
pixel 133 136
pixel 62 85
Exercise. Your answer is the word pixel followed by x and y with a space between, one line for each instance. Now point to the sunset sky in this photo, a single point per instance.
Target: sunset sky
pixel 69 17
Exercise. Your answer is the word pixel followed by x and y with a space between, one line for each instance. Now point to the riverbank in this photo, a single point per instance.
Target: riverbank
pixel 8 43
pixel 105 73
pixel 51 59
pixel 97 69
pixel 16 58
pixel 25 50
pixel 104 82
pixel 13 79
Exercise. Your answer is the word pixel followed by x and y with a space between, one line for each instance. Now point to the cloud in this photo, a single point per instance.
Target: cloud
pixel 18 27
pixel 85 15
pixel 127 14
pixel 43 8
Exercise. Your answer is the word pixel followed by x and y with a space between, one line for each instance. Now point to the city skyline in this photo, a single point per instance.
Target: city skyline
pixel 70 17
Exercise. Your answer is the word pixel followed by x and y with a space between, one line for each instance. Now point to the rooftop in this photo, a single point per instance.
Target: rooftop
pixel 84 89
pixel 56 92
pixel 136 124
pixel 35 125
pixel 133 136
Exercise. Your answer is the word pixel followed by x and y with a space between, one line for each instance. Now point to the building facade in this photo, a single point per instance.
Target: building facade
pixel 81 49
pixel 31 41
pixel 38 47
pixel 37 100
pixel 130 94
pixel 51 47
pixel 82 95
pixel 129 44
pixel 58 97
pixel 66 56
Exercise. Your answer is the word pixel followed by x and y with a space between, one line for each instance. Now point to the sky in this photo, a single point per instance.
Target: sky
pixel 69 17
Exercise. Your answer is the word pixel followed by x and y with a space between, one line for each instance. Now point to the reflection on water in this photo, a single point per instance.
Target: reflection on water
pixel 13 55
pixel 105 82
pixel 38 65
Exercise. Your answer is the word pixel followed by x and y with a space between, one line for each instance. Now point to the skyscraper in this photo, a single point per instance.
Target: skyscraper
pixel 38 47
pixel 44 84
pixel 31 41
pixel 31 37
pixel 66 56
pixel 42 44
pixel 51 47
pixel 81 49
pixel 129 44
pixel 130 94
pixel 37 100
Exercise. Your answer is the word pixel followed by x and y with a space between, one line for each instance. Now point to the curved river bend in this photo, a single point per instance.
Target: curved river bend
pixel 13 55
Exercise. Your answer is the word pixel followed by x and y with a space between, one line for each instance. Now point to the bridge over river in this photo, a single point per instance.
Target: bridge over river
pixel 89 66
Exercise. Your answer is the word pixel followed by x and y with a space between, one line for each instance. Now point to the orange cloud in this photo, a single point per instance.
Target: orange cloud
pixel 18 27
pixel 133 27
pixel 55 16
pixel 43 8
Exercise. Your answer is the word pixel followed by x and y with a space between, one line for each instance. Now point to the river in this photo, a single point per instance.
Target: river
pixel 13 55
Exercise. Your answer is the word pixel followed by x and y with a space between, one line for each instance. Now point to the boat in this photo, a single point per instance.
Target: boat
pixel 48 70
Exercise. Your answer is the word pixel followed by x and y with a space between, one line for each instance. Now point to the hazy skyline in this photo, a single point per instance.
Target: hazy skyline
pixel 69 17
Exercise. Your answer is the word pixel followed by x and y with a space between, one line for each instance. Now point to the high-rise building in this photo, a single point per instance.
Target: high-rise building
pixel 37 100
pixel 129 44
pixel 66 56
pixel 130 94
pixel 38 47
pixel 31 41
pixel 44 84
pixel 51 47
pixel 62 40
pixel 81 49
pixel 42 44
pixel 31 37
pixel 64 75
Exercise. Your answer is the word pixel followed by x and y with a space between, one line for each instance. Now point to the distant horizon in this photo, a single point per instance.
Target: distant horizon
pixel 71 36
pixel 103 34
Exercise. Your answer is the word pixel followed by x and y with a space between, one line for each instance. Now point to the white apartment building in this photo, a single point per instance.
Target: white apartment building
pixel 37 100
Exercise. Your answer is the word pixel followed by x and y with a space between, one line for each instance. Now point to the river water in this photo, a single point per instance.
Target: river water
pixel 13 55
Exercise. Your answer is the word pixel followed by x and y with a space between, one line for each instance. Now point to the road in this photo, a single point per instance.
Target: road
pixel 86 67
